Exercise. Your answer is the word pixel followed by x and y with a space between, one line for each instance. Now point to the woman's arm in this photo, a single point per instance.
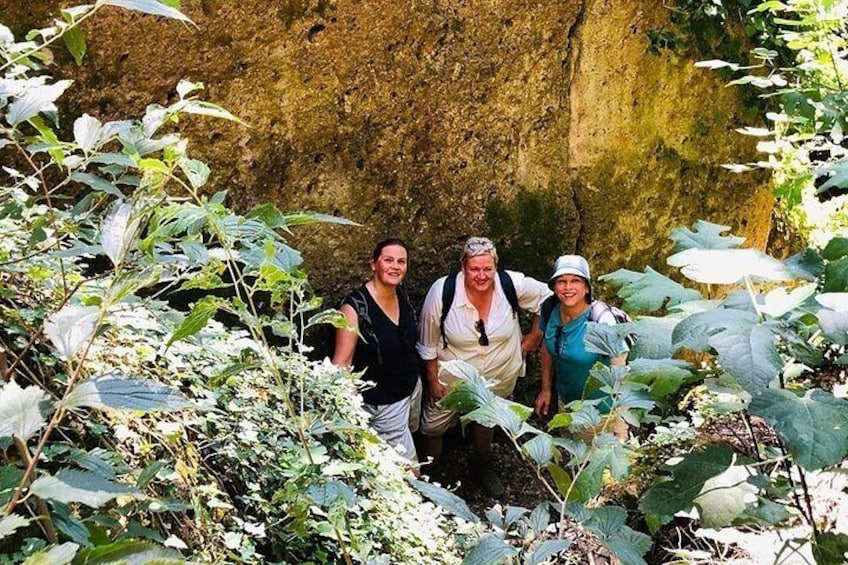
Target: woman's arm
pixel 346 338
pixel 543 400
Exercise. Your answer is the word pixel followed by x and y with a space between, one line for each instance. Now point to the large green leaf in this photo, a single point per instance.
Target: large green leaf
pixel 56 555
pixel 837 173
pixel 664 376
pixel 445 499
pixel 119 231
pixel 540 449
pixel 778 302
pixel 22 410
pixel 126 393
pixel 74 40
pixel 649 292
pixel 836 276
pixel 605 339
pixel 490 550
pixel 200 314
pixel 545 550
pixel 607 455
pixel 153 7
pixel 729 266
pixel 829 548
pixel 746 349
pixel 654 337
pixel 499 412
pixel 97 183
pixel 706 236
pixel 628 546
pixel 749 354
pixel 836 248
pixel 834 319
pixel 129 552
pixel 70 485
pixel 11 523
pixel 470 391
pixel 677 493
pixel 70 328
pixel 88 132
pixel 36 99
pixel 725 496
pixel 813 426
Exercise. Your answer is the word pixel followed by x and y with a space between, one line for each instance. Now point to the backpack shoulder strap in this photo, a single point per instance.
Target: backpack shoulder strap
pixel 597 309
pixel 509 290
pixel 448 292
pixel 548 307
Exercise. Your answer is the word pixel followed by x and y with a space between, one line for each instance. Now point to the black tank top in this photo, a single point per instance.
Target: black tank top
pixel 389 359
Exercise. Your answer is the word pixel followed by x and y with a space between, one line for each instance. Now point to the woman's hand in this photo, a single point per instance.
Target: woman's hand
pixel 437 391
pixel 543 403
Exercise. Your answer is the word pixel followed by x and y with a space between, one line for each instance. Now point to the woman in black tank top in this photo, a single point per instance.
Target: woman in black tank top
pixel 386 352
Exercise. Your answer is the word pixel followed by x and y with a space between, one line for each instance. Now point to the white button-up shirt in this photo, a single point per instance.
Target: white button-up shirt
pixel 500 362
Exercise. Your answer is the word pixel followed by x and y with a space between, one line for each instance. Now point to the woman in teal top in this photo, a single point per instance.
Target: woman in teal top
pixel 564 353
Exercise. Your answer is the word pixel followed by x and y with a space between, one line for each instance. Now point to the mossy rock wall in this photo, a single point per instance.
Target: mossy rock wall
pixel 546 125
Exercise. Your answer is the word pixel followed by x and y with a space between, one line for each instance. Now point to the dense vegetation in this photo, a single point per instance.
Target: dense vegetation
pixel 136 432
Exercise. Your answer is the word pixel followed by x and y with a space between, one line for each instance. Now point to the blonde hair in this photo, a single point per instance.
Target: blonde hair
pixel 476 246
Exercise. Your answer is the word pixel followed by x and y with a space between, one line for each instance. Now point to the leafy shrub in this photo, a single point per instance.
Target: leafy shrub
pixel 142 432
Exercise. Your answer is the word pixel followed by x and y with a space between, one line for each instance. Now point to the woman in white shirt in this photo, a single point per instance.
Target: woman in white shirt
pixel 481 328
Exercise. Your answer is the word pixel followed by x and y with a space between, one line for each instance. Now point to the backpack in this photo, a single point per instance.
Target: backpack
pixel 366 325
pixel 596 310
pixel 449 291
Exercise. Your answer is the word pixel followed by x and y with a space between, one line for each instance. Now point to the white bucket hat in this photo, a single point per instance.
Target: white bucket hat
pixel 570 265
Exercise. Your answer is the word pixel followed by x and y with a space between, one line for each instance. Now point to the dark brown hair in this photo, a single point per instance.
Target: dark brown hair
pixel 378 249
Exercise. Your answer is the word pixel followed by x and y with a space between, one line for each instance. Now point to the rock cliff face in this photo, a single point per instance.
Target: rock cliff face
pixel 545 125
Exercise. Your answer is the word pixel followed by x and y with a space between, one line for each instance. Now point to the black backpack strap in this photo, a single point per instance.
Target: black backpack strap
pixel 448 292
pixel 366 326
pixel 509 290
pixel 548 306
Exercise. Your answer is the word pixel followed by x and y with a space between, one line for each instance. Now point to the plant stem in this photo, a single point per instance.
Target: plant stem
pixel 808 501
pixel 38 48
pixel 44 519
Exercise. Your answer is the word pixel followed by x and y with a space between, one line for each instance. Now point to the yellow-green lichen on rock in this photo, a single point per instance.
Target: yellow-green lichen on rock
pixel 546 125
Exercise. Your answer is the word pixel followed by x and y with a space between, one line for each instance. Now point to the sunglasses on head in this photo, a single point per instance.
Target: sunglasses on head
pixel 481 327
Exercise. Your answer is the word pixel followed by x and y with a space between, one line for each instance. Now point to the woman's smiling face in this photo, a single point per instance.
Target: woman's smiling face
pixel 390 267
pixel 479 273
pixel 571 290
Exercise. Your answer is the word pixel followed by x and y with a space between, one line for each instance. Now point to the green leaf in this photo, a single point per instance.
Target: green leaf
pixel 97 183
pixel 725 497
pixel 88 132
pixel 35 100
pixel 814 427
pixel 498 412
pixel 606 520
pixel 546 550
pixel 70 328
pixel 668 496
pixel 540 449
pixel 654 337
pixel 561 478
pixel 829 548
pixel 10 479
pixel 706 236
pixel 152 7
pixel 836 276
pixel 22 410
pixel 470 391
pixel 130 552
pixel 120 392
pixel 200 314
pixel 11 523
pixel 650 291
pixel 490 550
pixel 778 302
pixel 606 340
pixel 837 173
pixel 70 485
pixel 607 455
pixel 665 376
pixel 746 349
pixel 72 527
pixel 445 499
pixel 629 546
pixel 119 230
pixel 74 40
pixel 729 266
pixel 56 555
pixel 149 473
pixel 196 171
pixel 836 249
